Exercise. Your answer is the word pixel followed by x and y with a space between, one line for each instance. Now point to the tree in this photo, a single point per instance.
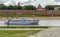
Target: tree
pixel 14 7
pixel 2 7
pixel 49 7
pixel 8 22
pixel 59 8
pixel 10 7
pixel 28 7
pixel 18 7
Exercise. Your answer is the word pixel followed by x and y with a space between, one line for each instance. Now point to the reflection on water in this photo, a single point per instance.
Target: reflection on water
pixel 41 22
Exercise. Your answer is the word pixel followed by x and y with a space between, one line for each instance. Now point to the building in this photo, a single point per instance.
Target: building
pixel 39 7
pixel 42 12
pixel 18 4
pixel 57 7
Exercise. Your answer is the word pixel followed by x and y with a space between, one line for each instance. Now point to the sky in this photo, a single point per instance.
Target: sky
pixel 57 0
pixel 43 3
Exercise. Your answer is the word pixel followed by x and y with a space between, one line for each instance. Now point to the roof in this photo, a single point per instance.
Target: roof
pixel 39 7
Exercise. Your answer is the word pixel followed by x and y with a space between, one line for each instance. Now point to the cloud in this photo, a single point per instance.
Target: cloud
pixel 43 3
pixel 2 1
pixel 57 0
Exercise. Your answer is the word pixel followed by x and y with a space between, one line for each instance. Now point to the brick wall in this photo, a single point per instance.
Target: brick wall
pixel 44 12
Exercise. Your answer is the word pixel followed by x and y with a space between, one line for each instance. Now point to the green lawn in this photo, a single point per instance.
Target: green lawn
pixel 27 15
pixel 22 15
pixel 17 33
pixel 24 27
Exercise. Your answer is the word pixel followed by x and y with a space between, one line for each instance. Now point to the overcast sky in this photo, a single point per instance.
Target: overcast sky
pixel 33 2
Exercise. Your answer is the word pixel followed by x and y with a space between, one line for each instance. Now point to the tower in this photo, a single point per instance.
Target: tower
pixel 18 3
pixel 39 7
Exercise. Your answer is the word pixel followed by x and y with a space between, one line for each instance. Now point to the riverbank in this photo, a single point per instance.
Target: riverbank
pixel 17 33
pixel 25 27
pixel 36 18
pixel 51 32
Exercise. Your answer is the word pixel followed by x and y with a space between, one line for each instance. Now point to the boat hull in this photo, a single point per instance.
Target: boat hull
pixel 22 22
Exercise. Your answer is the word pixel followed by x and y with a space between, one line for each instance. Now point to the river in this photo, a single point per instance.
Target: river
pixel 41 22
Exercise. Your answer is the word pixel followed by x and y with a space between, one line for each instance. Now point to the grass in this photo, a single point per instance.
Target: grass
pixel 23 15
pixel 17 33
pixel 24 27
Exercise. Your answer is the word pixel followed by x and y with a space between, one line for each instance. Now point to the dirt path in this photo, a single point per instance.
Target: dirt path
pixel 23 28
pixel 37 18
pixel 51 32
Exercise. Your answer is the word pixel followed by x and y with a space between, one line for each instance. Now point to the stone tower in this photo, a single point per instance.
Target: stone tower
pixel 39 7
pixel 18 3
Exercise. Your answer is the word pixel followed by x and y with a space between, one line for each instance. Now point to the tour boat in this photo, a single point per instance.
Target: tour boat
pixel 22 22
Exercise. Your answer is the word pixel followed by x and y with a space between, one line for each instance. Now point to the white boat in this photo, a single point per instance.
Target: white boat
pixel 22 22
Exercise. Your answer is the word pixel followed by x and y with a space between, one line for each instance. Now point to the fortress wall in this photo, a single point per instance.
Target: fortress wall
pixel 44 12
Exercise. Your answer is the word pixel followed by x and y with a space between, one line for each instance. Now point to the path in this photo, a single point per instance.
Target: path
pixel 51 32
pixel 36 18
pixel 22 28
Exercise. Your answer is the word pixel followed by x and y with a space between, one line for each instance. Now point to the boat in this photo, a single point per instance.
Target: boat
pixel 22 22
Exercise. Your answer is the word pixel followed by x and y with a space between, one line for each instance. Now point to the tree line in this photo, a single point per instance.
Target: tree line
pixel 26 7
pixel 51 7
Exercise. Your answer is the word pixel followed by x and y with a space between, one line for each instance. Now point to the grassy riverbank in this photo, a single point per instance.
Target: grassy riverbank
pixel 22 15
pixel 17 33
pixel 27 15
pixel 24 27
pixel 36 16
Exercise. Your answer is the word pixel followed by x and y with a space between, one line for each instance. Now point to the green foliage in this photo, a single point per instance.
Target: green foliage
pixel 8 15
pixel 2 7
pixel 10 7
pixel 14 7
pixel 49 7
pixel 18 7
pixel 21 15
pixel 28 7
pixel 17 33
pixel 59 8
pixel 25 27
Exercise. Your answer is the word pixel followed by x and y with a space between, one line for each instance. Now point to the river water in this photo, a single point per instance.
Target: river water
pixel 41 22
pixel 49 23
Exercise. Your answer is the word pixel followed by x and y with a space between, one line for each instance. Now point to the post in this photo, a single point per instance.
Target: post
pixel 33 16
pixel 52 14
pixel 8 22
